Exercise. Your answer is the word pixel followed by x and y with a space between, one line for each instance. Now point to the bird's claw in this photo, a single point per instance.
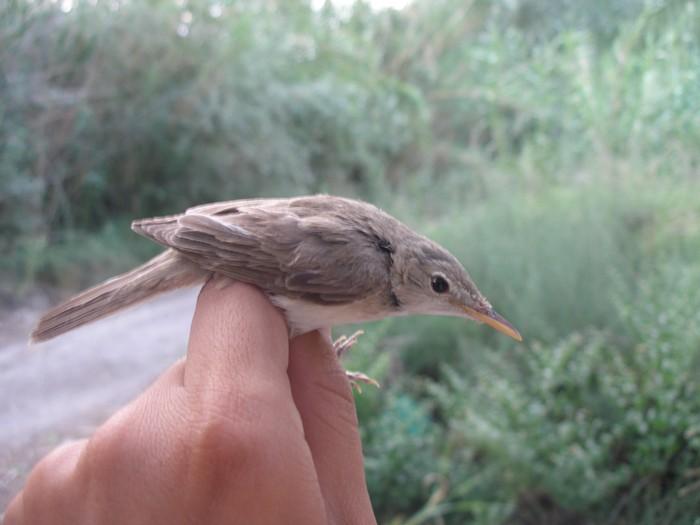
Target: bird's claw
pixel 345 343
pixel 341 346
pixel 356 378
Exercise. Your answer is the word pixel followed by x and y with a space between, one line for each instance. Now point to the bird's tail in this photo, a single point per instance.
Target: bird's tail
pixel 165 272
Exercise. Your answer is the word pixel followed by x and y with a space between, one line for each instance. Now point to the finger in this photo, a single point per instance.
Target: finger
pixel 247 451
pixel 236 336
pixel 51 494
pixel 324 400
pixel 14 515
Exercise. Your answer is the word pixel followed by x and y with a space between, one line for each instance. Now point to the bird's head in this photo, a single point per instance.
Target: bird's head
pixel 430 280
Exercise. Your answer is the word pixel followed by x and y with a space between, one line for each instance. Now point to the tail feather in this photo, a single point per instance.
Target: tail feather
pixel 165 272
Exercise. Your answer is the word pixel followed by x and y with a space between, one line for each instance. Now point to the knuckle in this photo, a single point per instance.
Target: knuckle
pixel 233 424
pixel 222 447
pixel 223 437
pixel 110 446
pixel 49 483
pixel 223 454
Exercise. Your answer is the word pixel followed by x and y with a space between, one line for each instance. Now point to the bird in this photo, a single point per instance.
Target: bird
pixel 323 260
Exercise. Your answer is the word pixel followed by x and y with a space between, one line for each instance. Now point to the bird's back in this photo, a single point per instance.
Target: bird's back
pixel 327 250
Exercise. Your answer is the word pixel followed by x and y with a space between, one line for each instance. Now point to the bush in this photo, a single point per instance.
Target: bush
pixel 553 262
pixel 135 109
pixel 399 445
pixel 606 427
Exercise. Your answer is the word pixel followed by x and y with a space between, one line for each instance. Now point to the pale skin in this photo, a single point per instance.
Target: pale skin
pixel 248 428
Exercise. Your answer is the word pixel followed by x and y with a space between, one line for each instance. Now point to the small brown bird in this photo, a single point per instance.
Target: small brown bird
pixel 323 260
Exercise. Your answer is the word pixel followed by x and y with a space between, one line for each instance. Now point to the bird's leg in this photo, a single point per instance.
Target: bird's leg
pixel 342 345
pixel 345 343
pixel 356 378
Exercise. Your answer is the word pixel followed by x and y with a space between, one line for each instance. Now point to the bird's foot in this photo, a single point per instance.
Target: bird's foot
pixel 356 378
pixel 341 346
pixel 345 343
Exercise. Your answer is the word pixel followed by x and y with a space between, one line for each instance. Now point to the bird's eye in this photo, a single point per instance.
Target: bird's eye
pixel 439 284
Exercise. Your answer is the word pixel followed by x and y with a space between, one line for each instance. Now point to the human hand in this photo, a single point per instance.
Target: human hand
pixel 249 428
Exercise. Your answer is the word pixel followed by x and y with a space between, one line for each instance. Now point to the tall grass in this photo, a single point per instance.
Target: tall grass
pixel 139 109
pixel 601 282
pixel 556 261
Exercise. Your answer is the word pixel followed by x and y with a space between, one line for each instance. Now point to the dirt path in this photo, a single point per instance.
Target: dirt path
pixel 63 388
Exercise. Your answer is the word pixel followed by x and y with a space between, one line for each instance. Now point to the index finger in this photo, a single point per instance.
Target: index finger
pixel 247 450
pixel 237 336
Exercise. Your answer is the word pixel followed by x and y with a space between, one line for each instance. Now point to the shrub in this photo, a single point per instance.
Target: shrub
pixel 399 445
pixel 598 424
pixel 131 109
pixel 552 262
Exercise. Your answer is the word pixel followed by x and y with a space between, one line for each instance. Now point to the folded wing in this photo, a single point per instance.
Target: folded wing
pixel 281 246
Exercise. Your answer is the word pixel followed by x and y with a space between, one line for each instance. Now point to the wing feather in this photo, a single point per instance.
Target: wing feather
pixel 303 248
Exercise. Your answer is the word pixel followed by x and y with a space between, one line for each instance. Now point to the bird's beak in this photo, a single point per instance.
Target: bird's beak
pixel 492 318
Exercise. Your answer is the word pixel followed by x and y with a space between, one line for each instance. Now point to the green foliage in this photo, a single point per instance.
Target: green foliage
pixel 551 145
pixel 107 114
pixel 585 247
pixel 400 448
pixel 591 274
pixel 605 427
pixel 546 105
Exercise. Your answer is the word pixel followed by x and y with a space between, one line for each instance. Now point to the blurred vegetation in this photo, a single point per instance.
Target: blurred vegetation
pixel 550 144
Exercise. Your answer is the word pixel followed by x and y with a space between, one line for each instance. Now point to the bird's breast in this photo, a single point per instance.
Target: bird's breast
pixel 305 316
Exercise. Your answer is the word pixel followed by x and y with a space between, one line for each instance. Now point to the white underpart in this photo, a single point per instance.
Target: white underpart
pixel 304 316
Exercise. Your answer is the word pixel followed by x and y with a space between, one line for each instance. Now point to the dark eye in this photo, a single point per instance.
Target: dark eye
pixel 439 284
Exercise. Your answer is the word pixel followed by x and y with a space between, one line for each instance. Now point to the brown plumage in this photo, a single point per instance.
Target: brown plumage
pixel 324 260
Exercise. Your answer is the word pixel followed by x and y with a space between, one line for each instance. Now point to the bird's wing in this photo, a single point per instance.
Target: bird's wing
pixel 294 247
